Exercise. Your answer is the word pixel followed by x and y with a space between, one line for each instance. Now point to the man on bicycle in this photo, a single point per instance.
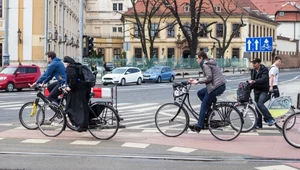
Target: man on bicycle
pixel 55 69
pixel 260 83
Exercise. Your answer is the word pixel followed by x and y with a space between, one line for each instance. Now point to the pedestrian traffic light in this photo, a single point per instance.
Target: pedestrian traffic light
pixel 89 45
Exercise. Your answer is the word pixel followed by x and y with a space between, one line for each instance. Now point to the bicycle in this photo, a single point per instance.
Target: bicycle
pixel 291 128
pixel 250 114
pixel 172 119
pixel 103 123
pixel 27 113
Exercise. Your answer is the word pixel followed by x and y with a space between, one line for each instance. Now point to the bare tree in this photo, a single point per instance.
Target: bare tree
pixel 149 16
pixel 226 10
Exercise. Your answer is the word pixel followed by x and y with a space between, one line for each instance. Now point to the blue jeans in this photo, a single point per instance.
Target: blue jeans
pixel 207 100
pixel 260 99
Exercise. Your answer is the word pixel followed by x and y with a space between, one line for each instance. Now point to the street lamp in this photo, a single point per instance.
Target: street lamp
pixel 19 35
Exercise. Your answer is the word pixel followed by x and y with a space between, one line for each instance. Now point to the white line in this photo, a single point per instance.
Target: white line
pixel 137 106
pixel 290 80
pixel 146 109
pixel 84 142
pixel 4 106
pixel 35 141
pixel 19 102
pixel 276 167
pixel 137 117
pixel 6 124
pixel 182 149
pixel 135 145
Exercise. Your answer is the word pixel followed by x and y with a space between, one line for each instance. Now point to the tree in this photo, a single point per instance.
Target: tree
pixel 226 10
pixel 149 16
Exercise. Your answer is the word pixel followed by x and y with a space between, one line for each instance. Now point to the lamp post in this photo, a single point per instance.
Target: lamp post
pixel 6 54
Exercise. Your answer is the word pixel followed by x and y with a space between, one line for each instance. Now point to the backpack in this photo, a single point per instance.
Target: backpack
pixel 88 76
pixel 243 92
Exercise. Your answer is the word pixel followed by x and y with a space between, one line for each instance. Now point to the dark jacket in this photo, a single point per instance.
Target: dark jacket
pixel 261 79
pixel 57 69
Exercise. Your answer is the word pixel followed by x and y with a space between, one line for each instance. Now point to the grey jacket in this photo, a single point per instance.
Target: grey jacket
pixel 212 75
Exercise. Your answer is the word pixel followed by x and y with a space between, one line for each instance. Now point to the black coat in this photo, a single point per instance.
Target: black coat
pixel 77 101
pixel 261 79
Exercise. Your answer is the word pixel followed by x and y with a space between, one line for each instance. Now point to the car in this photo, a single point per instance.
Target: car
pixel 18 77
pixel 109 66
pixel 123 75
pixel 159 74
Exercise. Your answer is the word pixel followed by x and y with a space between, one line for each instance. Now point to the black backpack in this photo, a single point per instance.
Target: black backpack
pixel 86 74
pixel 243 92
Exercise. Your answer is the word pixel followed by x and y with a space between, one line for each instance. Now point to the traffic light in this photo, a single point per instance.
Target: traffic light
pixel 89 45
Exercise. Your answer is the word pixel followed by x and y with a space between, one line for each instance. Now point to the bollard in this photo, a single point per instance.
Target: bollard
pixel 182 74
pixel 233 70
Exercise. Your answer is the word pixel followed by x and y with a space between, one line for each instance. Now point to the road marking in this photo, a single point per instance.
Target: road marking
pixel 6 124
pixel 182 149
pixel 137 106
pixel 150 131
pixel 35 141
pixel 276 167
pixel 12 105
pixel 135 145
pixel 1 138
pixel 84 142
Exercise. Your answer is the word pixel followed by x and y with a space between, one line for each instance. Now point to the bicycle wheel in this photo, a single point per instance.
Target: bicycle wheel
pixel 249 115
pixel 280 120
pixel 225 122
pixel 51 120
pixel 27 115
pixel 171 120
pixel 291 134
pixel 104 121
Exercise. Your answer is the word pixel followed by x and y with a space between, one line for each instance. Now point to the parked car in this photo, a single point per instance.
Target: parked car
pixel 18 77
pixel 159 74
pixel 123 75
pixel 109 66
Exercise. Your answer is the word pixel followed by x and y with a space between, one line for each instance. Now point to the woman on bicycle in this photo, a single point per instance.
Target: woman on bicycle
pixel 215 85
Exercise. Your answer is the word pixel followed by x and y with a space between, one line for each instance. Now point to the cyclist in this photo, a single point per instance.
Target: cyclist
pixel 260 83
pixel 55 69
pixel 215 85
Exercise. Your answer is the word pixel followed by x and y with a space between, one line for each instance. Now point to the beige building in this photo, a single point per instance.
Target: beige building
pixel 32 31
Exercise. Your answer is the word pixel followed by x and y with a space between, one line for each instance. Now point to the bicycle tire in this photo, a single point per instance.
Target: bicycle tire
pixel 249 115
pixel 29 124
pixel 217 125
pixel 105 121
pixel 280 121
pixel 294 130
pixel 164 122
pixel 51 120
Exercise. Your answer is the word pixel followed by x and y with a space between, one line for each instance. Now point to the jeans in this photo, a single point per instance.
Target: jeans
pixel 260 99
pixel 207 99
pixel 54 91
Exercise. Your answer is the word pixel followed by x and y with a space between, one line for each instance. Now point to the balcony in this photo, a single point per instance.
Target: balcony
pixel 106 35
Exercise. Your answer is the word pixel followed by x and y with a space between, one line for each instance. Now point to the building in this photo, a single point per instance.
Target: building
pixel 166 44
pixel 103 22
pixel 37 26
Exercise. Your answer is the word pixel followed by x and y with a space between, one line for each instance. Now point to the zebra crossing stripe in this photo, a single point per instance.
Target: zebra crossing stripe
pixel 12 105
pixel 136 106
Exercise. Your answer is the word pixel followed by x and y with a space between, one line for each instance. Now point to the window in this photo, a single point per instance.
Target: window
pixel 204 49
pixel 217 8
pixel 155 53
pixel 235 28
pixel 202 30
pixel 1 10
pixel 171 30
pixel 55 19
pixel 21 70
pixel 117 52
pixel 120 7
pixel 138 53
pixel 31 70
pixel 171 52
pixel 281 14
pixel 187 27
pixel 236 52
pixel 154 30
pixel 115 6
pixel 219 30
pixel 136 31
pixel 119 29
pixel 218 55
pixel 114 29
pixel 101 52
pixel 186 8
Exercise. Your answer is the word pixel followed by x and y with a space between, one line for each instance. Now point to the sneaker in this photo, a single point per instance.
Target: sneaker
pixel 271 122
pixel 195 128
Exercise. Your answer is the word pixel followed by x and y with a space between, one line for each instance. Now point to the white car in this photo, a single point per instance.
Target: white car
pixel 123 75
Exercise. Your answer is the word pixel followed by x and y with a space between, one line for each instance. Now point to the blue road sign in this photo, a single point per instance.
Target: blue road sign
pixel 259 44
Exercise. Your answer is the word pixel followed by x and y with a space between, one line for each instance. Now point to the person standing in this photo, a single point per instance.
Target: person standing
pixel 260 83
pixel 94 70
pixel 273 76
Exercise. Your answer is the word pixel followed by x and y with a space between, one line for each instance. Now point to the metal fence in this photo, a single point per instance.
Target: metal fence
pixel 173 62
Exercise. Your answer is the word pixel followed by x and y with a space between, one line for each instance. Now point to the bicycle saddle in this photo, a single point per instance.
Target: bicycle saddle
pixel 176 84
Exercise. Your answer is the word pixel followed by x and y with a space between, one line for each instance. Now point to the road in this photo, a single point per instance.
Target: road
pixel 139 145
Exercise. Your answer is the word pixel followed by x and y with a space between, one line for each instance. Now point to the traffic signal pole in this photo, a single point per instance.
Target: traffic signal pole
pixel 81 4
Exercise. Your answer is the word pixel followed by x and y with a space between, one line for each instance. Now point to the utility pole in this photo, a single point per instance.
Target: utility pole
pixel 6 54
pixel 81 4
pixel 63 28
pixel 46 26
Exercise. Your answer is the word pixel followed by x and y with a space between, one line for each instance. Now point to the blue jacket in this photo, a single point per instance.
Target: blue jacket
pixel 55 69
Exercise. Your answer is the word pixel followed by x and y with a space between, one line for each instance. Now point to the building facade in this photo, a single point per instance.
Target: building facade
pixel 37 26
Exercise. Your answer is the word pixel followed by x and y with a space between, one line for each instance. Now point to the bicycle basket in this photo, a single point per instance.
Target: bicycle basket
pixel 179 91
pixel 298 101
pixel 280 106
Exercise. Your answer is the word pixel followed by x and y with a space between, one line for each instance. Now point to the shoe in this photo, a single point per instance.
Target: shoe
pixel 258 127
pixel 195 128
pixel 81 129
pixel 271 122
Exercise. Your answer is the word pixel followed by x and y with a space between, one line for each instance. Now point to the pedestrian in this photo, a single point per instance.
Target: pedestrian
pixel 94 69
pixel 215 85
pixel 77 106
pixel 260 84
pixel 273 76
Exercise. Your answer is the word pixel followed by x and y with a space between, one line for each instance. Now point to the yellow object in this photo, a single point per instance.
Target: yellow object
pixel 33 111
pixel 278 112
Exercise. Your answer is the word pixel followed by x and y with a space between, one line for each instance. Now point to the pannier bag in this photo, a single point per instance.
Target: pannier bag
pixel 243 92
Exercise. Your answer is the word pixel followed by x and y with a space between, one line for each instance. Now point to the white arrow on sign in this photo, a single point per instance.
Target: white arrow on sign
pixel 256 44
pixel 249 45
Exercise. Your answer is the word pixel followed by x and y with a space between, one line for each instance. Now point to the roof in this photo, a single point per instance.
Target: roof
pixel 271 6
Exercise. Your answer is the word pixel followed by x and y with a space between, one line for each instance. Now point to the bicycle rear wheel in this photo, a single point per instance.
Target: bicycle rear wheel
pixel 280 120
pixel 171 120
pixel 225 122
pixel 249 115
pixel 291 130
pixel 27 115
pixel 51 120
pixel 104 122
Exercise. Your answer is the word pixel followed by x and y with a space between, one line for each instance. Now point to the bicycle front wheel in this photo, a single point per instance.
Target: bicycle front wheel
pixel 171 120
pixel 51 120
pixel 27 115
pixel 104 121
pixel 280 120
pixel 225 122
pixel 249 116
pixel 291 134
